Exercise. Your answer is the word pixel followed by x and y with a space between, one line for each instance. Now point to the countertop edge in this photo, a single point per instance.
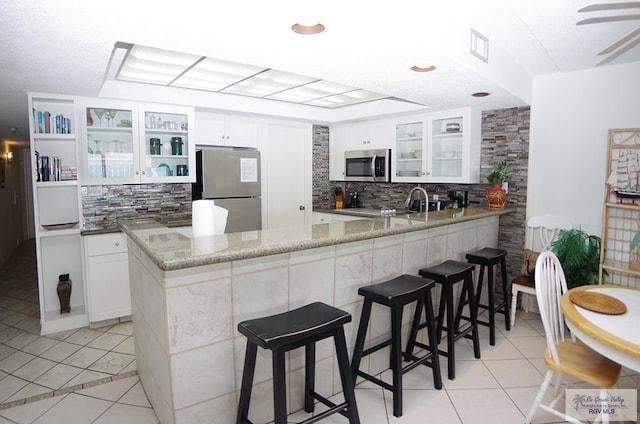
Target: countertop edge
pixel 433 220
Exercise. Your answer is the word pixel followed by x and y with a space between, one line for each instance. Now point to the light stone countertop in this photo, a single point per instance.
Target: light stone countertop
pixel 174 248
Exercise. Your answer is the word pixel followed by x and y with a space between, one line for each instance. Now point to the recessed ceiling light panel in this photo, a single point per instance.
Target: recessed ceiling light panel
pixel 148 64
pixel 215 74
pixel 156 66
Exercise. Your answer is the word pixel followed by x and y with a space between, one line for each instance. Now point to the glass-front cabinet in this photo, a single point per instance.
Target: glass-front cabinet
pixel 131 143
pixel 109 145
pixel 454 146
pixel 438 147
pixel 168 151
pixel 409 155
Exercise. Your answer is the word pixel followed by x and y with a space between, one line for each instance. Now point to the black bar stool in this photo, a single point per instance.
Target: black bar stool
pixel 447 274
pixel 397 293
pixel 489 257
pixel 289 330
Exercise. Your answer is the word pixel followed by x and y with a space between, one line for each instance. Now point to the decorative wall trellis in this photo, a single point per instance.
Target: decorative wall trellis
pixel 620 255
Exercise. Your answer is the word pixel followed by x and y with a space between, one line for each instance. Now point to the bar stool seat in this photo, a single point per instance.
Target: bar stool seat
pixel 447 274
pixel 396 293
pixel 289 330
pixel 489 257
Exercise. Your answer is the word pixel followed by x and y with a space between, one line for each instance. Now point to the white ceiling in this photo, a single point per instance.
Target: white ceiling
pixel 64 46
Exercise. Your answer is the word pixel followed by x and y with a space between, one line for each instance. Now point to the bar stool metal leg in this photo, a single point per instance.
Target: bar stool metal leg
pixel 247 383
pixel 451 332
pixel 505 294
pixel 347 382
pixel 309 376
pixel 430 324
pixel 360 338
pixel 473 309
pixel 396 358
pixel 279 387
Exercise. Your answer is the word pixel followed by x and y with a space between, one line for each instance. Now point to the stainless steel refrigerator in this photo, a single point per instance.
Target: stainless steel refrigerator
pixel 231 177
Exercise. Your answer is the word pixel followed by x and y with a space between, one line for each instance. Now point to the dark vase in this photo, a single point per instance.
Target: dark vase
pixel 64 293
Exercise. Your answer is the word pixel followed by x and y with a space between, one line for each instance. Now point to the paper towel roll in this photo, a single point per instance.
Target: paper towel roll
pixel 202 221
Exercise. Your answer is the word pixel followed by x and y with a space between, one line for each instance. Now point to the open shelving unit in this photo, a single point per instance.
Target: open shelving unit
pixel 57 210
pixel 620 253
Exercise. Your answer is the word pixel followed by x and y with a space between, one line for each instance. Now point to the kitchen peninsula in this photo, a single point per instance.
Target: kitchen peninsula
pixel 189 293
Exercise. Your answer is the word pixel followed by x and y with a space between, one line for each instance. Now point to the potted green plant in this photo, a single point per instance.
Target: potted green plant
pixel 579 254
pixel 496 194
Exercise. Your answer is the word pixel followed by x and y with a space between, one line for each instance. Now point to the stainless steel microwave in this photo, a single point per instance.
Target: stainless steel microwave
pixel 367 165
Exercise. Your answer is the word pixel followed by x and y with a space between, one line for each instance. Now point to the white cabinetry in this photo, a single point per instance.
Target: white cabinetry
pixel 107 268
pixel 440 147
pixel 226 130
pixel 410 163
pixel 53 129
pixel 322 218
pixel 131 143
pixel 454 146
pixel 338 142
pixel 172 127
pixel 377 134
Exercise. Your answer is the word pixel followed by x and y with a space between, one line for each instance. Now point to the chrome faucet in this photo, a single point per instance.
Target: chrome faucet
pixel 422 205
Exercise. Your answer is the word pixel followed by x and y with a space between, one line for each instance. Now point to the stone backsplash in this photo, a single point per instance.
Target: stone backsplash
pixel 103 206
pixel 505 135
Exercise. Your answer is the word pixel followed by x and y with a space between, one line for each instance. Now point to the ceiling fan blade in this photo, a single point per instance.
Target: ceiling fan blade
pixel 618 53
pixel 608 19
pixel 623 40
pixel 609 6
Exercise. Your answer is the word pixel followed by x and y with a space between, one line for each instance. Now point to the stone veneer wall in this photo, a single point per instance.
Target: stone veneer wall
pixel 505 135
pixel 103 206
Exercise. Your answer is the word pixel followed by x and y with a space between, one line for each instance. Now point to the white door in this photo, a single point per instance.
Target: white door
pixel 286 194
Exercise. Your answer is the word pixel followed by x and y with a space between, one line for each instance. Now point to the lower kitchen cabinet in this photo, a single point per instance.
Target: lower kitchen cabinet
pixel 107 268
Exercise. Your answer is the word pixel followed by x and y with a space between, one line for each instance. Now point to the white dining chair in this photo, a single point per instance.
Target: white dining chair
pixel 564 356
pixel 542 231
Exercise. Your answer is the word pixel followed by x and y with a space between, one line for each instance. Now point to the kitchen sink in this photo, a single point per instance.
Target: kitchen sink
pixel 371 212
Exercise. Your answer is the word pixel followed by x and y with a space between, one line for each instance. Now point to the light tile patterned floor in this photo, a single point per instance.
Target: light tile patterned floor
pixel 33 366
pixel 499 388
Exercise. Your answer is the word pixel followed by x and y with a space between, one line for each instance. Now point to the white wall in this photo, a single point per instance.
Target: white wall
pixel 570 116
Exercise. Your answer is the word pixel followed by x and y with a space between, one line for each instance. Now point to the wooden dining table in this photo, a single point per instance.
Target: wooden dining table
pixel 614 335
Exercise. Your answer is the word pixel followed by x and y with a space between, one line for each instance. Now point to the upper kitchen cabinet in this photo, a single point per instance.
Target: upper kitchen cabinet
pixel 453 152
pixel 167 152
pixel 130 143
pixel 109 141
pixel 338 141
pixel 377 134
pixel 54 148
pixel 439 147
pixel 225 130
pixel 409 156
pixel 370 135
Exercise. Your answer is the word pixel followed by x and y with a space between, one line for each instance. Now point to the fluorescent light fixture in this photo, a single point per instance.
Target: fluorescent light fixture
pixel 175 69
pixel 148 64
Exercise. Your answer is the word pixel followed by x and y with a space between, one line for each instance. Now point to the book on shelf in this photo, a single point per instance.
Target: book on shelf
pixel 46 123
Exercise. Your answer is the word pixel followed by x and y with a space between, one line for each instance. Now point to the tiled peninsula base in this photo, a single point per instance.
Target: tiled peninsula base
pixel 190 355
